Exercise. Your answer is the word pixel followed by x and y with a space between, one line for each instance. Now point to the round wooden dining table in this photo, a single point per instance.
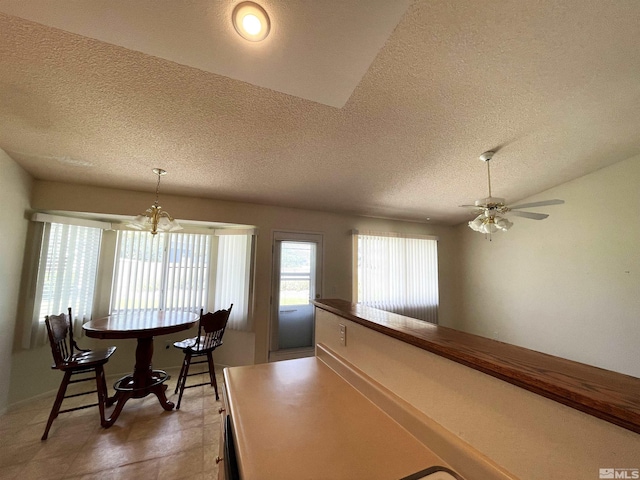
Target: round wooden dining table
pixel 143 326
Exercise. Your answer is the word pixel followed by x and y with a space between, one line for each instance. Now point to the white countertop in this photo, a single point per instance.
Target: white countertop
pixel 298 419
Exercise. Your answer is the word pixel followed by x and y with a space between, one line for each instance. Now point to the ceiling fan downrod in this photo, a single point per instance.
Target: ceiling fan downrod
pixel 485 157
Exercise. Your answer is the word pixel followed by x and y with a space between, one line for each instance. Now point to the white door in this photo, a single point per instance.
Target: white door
pixel 297 279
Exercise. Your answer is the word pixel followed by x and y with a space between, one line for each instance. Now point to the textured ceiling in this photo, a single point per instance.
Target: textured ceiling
pixel 317 50
pixel 553 85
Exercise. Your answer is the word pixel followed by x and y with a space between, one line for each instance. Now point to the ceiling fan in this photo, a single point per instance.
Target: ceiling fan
pixel 489 210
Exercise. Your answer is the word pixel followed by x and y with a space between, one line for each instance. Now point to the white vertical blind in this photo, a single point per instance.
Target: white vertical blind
pixel 398 274
pixel 67 271
pixel 167 271
pixel 188 271
pixel 233 277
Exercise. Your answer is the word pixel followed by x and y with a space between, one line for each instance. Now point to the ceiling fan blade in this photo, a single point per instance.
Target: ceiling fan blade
pixel 538 204
pixel 471 206
pixel 531 215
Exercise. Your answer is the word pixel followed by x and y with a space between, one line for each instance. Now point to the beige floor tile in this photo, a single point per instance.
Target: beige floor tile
pixel 25 433
pixel 11 472
pixel 178 441
pixel 185 464
pixel 51 469
pixel 114 436
pixel 210 467
pixel 189 419
pixel 211 434
pixel 149 429
pixel 211 416
pixel 18 419
pixel 191 399
pixel 68 447
pixel 73 427
pixel 97 459
pixel 210 475
pixel 13 454
pixel 144 470
pixel 145 442
pixel 209 402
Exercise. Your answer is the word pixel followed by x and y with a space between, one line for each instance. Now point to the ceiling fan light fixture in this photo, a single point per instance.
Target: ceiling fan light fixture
pixel 251 21
pixel 476 223
pixel 503 223
pixel 489 224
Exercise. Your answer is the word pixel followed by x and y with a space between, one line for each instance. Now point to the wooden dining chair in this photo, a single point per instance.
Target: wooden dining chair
pixel 210 331
pixel 72 360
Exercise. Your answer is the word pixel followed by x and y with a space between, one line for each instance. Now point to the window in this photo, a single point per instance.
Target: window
pixel 173 271
pixel 167 271
pixel 67 270
pixel 397 273
pixel 204 268
pixel 233 278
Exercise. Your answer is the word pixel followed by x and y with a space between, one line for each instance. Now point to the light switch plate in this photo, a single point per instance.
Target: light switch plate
pixel 343 335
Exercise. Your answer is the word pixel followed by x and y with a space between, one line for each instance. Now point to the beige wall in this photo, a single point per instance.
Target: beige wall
pixel 15 190
pixel 529 435
pixel 240 347
pixel 568 285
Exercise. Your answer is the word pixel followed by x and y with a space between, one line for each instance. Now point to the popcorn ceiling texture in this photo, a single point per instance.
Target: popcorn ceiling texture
pixel 553 85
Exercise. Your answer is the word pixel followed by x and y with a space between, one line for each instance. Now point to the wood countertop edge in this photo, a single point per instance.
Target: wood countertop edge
pixel 593 390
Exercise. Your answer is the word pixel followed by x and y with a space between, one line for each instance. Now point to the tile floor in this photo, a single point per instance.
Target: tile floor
pixel 146 441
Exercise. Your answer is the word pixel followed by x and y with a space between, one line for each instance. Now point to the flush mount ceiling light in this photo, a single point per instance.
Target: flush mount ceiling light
pixel 251 21
pixel 490 210
pixel 154 218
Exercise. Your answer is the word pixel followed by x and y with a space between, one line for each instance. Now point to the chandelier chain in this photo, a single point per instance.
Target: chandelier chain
pixel 158 188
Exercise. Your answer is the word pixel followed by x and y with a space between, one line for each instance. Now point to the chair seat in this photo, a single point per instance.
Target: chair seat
pixel 189 345
pixel 86 359
pixel 186 343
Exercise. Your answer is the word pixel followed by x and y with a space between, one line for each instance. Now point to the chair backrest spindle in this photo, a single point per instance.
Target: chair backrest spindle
pixel 211 328
pixel 59 331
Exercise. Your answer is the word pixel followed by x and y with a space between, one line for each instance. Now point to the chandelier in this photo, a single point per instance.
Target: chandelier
pixel 154 218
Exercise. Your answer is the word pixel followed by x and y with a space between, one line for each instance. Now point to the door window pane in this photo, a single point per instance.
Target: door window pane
pixel 295 273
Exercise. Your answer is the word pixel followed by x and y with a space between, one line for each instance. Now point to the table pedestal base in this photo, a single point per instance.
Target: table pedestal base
pixel 142 382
